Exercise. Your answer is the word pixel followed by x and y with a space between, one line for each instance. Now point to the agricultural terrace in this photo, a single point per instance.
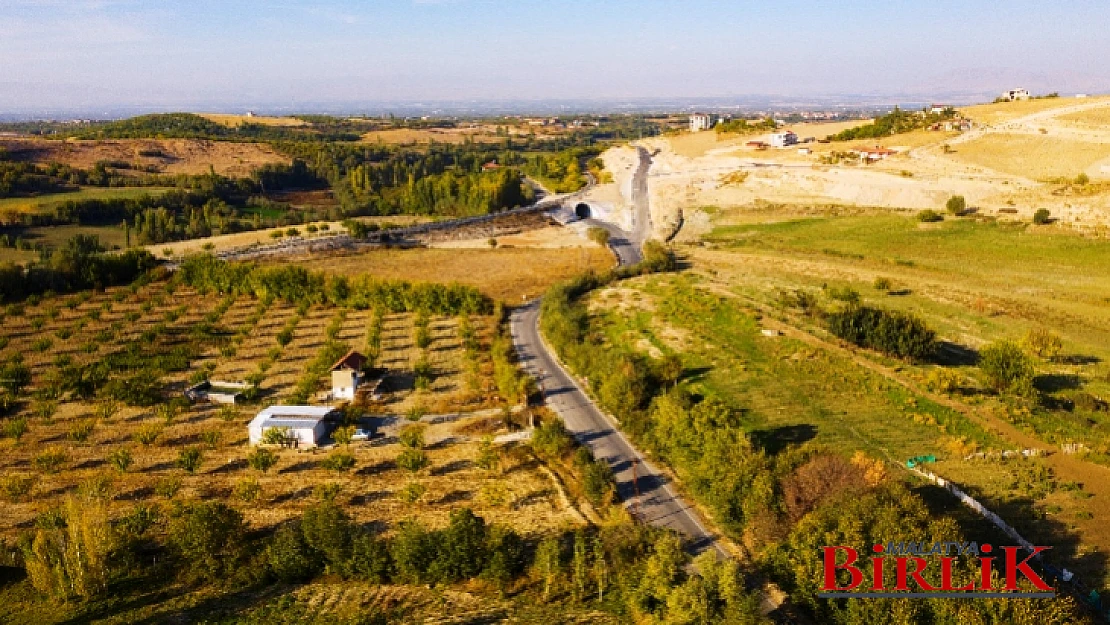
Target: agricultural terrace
pixel 94 402
pixel 977 282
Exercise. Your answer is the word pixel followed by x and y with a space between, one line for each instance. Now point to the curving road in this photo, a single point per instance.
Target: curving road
pixel 642 487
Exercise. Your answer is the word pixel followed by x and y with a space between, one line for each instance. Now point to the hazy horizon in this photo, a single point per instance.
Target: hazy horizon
pixel 93 55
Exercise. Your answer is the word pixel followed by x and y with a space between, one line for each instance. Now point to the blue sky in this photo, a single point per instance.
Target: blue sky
pixel 58 53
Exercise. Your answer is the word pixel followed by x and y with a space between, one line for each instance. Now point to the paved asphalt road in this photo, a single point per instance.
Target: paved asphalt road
pixel 643 488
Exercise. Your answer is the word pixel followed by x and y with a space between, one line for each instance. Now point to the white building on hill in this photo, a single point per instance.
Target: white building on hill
pixel 782 139
pixel 304 426
pixel 1016 94
pixel 702 121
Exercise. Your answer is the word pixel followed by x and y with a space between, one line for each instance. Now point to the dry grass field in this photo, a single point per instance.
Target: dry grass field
pixel 1031 156
pixel 413 136
pixel 232 121
pixel 170 156
pixel 1097 118
pixel 85 440
pixel 1002 112
pixel 222 242
pixel 507 274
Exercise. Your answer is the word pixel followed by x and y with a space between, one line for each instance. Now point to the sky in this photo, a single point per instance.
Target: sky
pixel 223 54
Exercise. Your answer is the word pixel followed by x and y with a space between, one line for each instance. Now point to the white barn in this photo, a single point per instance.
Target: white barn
pixel 306 426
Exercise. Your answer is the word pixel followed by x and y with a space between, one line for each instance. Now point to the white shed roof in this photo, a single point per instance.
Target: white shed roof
pixel 303 412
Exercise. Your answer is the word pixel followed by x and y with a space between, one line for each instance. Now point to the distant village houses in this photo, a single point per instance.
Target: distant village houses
pixel 872 154
pixel 1016 94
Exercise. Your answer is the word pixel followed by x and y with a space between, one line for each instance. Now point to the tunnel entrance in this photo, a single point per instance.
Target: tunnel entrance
pixel 582 210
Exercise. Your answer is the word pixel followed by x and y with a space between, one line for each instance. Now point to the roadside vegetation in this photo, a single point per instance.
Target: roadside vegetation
pixel 758 427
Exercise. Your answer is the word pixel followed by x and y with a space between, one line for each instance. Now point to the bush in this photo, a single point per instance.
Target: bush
pixel 16 488
pixel 189 459
pixel 51 460
pixel 891 332
pixel 262 459
pixel 412 460
pixel 411 492
pixel 148 434
pixel 1042 217
pixel 339 461
pixel 943 380
pixel 247 490
pixel 843 294
pixel 1082 179
pixel 929 216
pixel 412 436
pixel 882 284
pixel 120 459
pixel 80 431
pixel 168 486
pixel 551 439
pixel 1007 367
pixel 956 205
pixel 1043 344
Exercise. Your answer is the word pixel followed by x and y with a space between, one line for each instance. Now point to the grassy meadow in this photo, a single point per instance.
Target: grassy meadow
pixel 974 281
pixel 43 203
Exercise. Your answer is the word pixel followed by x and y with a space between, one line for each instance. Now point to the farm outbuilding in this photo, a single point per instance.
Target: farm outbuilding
pixel 346 375
pixel 305 426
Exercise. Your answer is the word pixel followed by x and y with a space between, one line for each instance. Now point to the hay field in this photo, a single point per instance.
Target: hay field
pixel 994 114
pixel 413 136
pixel 517 493
pixel 1031 156
pixel 169 156
pixel 1096 118
pixel 507 274
pixel 231 121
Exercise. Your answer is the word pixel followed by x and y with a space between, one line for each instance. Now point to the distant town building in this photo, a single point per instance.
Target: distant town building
pixel 250 113
pixel 702 121
pixel 782 139
pixel 306 426
pixel 1016 94
pixel 938 109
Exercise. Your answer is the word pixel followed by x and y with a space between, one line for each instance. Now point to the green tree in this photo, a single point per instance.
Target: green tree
pixel 328 530
pixel 956 205
pixel 262 459
pixel 1007 367
pixel 208 537
pixel 548 564
pixel 289 557
pixel 72 559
